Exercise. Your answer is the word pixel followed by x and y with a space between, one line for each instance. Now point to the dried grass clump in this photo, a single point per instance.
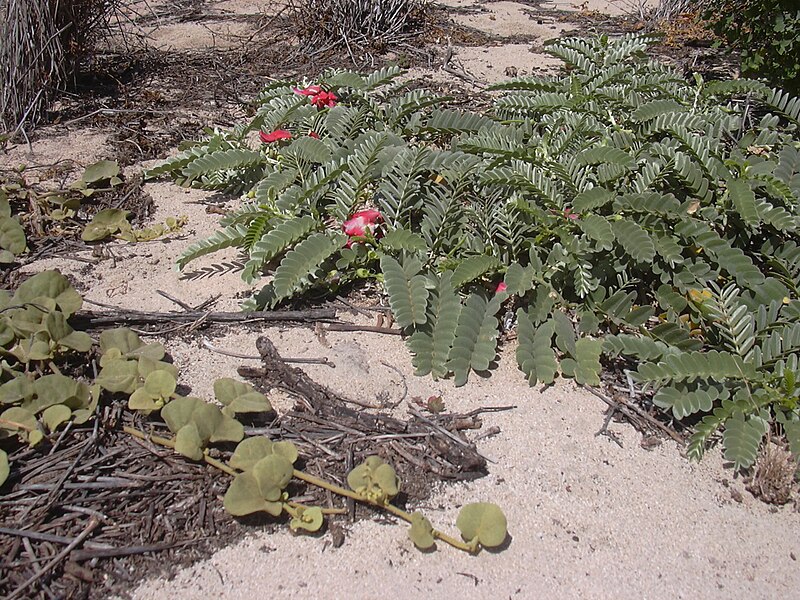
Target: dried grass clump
pixel 358 25
pixel 773 480
pixel 41 42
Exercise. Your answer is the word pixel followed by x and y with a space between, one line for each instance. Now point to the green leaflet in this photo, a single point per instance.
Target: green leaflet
pixel 472 268
pixel 475 343
pixel 535 355
pixel 227 237
pixel 222 160
pixel 274 242
pixel 591 199
pixel 303 261
pixel 742 439
pixel 403 239
pixel 684 402
pixel 689 366
pixel 407 290
pixel 431 342
pixel 634 240
pixel 585 367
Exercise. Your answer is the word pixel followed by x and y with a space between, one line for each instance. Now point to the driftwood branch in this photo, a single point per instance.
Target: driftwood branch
pixel 119 317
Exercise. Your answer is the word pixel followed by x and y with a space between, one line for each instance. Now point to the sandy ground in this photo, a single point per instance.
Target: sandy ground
pixel 587 517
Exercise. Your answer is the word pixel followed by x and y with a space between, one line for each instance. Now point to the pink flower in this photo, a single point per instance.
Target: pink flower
pixel 313 134
pixel 318 96
pixel 362 223
pixel 501 287
pixel 568 214
pixel 278 134
pixel 311 90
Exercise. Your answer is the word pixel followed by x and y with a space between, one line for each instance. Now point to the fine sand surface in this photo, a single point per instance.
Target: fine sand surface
pixel 588 517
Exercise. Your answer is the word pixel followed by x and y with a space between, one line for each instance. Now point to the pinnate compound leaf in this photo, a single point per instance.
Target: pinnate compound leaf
pixel 684 402
pixel 742 439
pixel 403 239
pixel 472 268
pixel 585 367
pixel 276 241
pixel 407 290
pixel 484 523
pixel 519 279
pixel 307 518
pixel 303 261
pixel 475 343
pixel 591 199
pixel 431 343
pixel 5 468
pixel 535 355
pixel 634 240
pixel 744 200
pixel 421 531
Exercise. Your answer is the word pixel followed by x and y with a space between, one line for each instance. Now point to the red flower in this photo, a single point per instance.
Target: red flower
pixel 318 96
pixel 568 214
pixel 313 134
pixel 278 134
pixel 311 90
pixel 361 223
pixel 501 287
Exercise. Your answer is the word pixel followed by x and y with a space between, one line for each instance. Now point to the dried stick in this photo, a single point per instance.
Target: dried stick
pixel 93 523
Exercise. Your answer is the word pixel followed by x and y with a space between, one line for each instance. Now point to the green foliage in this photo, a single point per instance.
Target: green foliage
pixel 375 480
pixel 196 423
pixel 627 211
pixel 482 523
pixel 767 32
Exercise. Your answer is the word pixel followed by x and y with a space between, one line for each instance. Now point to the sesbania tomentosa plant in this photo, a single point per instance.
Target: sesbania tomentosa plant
pixel 626 211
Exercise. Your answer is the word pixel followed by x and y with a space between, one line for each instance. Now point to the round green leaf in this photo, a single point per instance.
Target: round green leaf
pixel 160 384
pixel 55 415
pixel 20 422
pixel 307 518
pixel 273 474
pixel 227 389
pixel 105 223
pixel 121 338
pixel 244 498
pixel 286 449
pixel 50 284
pixel 12 236
pixel 188 442
pixel 249 451
pixel 19 388
pixel 119 376
pixel 142 400
pixel 5 469
pixel 100 171
pixel 178 412
pixel 483 522
pixel 374 479
pixel 421 532
pixel 80 341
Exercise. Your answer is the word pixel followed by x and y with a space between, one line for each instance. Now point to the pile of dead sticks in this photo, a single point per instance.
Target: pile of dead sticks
pixel 91 510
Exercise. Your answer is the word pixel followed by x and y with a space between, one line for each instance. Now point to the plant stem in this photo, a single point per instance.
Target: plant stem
pixel 325 511
pixel 398 512
pixel 168 443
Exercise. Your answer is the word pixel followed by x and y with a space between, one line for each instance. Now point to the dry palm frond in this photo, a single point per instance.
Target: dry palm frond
pixel 41 42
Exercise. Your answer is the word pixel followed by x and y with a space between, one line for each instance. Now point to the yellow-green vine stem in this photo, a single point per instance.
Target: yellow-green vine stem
pixel 303 476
